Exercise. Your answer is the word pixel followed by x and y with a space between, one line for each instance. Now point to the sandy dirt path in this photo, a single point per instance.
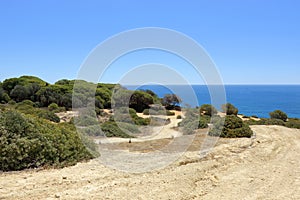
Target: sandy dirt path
pixel 152 132
pixel 267 167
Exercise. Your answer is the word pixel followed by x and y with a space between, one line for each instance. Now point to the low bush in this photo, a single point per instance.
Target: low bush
pixel 53 106
pixel 231 127
pixel 28 107
pixel 208 109
pixel 28 142
pixel 278 114
pixel 146 112
pixel 158 112
pixel 293 123
pixel 179 117
pixel 193 121
pixel 51 116
pixel 111 129
pixel 265 121
pixel 128 115
pixel 230 109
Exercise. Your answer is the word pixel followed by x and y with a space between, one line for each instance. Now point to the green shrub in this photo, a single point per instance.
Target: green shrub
pixel 46 114
pixel 203 123
pixel 170 113
pixel 146 112
pixel 111 129
pixel 265 121
pixel 128 115
pixel 278 114
pixel 233 127
pixel 53 107
pixel 28 142
pixel 86 120
pixel 272 122
pixel 293 123
pixel 27 107
pixel 179 117
pixel 208 109
pixel 11 102
pixel 193 121
pixel 230 109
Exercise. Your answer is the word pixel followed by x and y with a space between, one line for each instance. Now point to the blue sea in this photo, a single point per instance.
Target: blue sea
pixel 257 100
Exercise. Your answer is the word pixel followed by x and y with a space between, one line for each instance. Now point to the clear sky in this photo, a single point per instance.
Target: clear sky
pixel 250 41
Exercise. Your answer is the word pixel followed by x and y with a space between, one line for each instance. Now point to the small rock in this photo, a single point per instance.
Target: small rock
pixel 64 177
pixel 57 196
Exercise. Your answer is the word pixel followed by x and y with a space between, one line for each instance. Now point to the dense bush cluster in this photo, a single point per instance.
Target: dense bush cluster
pixel 230 109
pixel 278 114
pixel 207 109
pixel 231 127
pixel 27 142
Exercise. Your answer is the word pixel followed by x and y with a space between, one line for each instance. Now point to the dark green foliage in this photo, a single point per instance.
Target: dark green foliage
pixel 278 114
pixel 208 109
pixel 293 123
pixel 170 101
pixel 23 88
pixel 53 106
pixel 27 142
pixel 111 129
pixel 28 107
pixel 203 123
pixel 103 97
pixel 170 113
pixel 178 117
pixel 4 97
pixel 266 121
pixel 230 127
pixel 49 115
pixel 230 109
pixel 146 112
pixel 290 123
pixel 140 101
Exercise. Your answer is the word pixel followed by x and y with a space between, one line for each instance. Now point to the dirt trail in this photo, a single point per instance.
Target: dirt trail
pixel 152 132
pixel 267 167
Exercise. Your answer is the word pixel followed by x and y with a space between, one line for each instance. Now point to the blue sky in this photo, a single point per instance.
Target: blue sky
pixel 250 41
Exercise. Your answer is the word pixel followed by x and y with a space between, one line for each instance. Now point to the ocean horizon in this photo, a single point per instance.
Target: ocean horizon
pixel 258 100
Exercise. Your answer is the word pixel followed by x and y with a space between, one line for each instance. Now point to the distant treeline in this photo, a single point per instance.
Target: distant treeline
pixel 65 95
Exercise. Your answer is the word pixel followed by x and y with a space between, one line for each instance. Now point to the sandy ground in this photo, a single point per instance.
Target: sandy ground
pixel 151 132
pixel 264 167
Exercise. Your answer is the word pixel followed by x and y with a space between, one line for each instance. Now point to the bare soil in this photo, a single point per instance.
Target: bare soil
pixel 264 167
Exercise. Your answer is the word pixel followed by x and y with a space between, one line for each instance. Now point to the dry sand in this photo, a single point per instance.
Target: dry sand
pixel 265 167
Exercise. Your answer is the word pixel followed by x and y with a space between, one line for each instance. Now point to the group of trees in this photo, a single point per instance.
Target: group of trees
pixel 61 93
